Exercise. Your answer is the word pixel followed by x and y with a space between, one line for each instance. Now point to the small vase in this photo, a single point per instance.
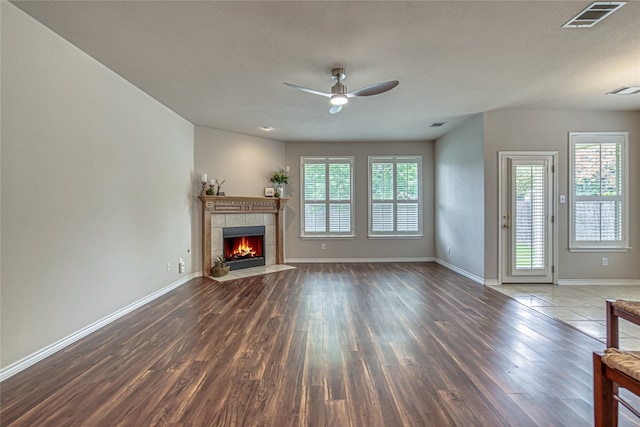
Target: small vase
pixel 280 190
pixel 220 271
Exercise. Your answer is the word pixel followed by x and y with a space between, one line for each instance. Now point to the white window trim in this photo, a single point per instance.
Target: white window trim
pixel 599 137
pixel 395 235
pixel 327 160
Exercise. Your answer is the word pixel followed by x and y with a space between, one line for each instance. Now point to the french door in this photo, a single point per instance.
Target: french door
pixel 527 246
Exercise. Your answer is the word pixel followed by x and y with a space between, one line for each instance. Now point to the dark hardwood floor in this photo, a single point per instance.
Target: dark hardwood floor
pixel 321 345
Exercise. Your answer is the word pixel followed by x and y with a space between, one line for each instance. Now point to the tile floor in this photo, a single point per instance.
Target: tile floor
pixel 582 307
pixel 253 271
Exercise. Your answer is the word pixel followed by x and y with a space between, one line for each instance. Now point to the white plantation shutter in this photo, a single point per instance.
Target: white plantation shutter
pixel 598 221
pixel 340 181
pixel 327 202
pixel 314 177
pixel 382 217
pixel 339 218
pixel 598 190
pixel 394 202
pixel 340 198
pixel 382 181
pixel 315 218
pixel 407 217
pixel 530 215
pixel 314 182
pixel 407 181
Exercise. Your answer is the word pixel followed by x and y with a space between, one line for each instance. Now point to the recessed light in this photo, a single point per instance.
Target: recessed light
pixel 625 90
pixel 266 128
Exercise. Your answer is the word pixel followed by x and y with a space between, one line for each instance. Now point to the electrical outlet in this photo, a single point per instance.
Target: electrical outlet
pixel 168 266
pixel 605 262
pixel 448 249
pixel 323 246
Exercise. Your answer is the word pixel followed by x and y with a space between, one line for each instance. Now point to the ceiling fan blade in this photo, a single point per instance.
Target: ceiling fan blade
pixel 374 89
pixel 305 89
pixel 335 109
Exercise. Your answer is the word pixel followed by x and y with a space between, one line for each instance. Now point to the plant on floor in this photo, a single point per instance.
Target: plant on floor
pixel 219 261
pixel 220 266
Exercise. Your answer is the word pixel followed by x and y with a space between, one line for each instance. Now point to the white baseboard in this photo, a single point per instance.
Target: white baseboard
pixel 47 351
pixel 460 271
pixel 491 282
pixel 355 260
pixel 599 282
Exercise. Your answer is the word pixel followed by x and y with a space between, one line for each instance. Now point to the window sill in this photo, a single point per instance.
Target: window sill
pixel 328 236
pixel 395 236
pixel 601 249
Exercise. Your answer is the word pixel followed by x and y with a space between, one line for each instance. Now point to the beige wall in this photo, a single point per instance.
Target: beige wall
pixel 548 130
pixel 459 197
pixel 96 190
pixel 360 247
pixel 99 184
pixel 245 162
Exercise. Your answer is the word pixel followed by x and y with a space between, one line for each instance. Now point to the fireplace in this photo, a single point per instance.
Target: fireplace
pixel 234 211
pixel 244 247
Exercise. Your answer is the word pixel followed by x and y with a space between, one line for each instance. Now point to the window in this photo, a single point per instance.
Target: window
pixel 395 205
pixel 599 191
pixel 327 203
pixel 530 214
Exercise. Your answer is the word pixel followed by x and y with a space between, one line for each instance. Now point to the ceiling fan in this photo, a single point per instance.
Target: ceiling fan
pixel 339 95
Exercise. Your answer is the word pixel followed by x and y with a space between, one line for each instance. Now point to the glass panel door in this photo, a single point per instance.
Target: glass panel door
pixel 526 203
pixel 529 219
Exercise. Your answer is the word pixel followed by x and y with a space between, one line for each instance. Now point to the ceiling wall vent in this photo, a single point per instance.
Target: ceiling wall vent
pixel 625 90
pixel 437 124
pixel 593 14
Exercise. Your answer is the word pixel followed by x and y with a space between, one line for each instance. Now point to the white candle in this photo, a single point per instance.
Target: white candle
pixel 204 178
pixel 213 182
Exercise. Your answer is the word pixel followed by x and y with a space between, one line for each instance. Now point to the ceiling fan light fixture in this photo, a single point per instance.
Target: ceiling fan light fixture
pixel 339 99
pixel 339 94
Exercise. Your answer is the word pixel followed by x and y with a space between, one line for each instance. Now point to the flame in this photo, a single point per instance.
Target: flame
pixel 243 247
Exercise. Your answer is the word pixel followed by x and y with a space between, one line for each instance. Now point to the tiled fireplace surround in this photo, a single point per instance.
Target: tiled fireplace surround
pixel 218 222
pixel 226 211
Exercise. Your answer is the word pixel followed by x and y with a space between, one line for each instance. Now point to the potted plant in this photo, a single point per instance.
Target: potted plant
pixel 220 267
pixel 279 180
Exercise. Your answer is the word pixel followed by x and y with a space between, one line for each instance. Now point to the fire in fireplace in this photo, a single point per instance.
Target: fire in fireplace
pixel 244 246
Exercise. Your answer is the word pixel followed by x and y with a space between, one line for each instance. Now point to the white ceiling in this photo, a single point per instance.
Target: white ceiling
pixel 222 64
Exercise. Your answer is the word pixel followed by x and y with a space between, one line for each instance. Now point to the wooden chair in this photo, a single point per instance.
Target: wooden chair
pixel 615 368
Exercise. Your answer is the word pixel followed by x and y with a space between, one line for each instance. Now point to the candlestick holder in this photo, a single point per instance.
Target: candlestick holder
pixel 204 186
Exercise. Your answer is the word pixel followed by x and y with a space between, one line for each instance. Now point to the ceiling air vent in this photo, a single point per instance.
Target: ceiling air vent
pixel 625 90
pixel 437 124
pixel 593 14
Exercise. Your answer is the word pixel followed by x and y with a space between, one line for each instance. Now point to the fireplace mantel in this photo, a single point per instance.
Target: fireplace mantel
pixel 212 205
